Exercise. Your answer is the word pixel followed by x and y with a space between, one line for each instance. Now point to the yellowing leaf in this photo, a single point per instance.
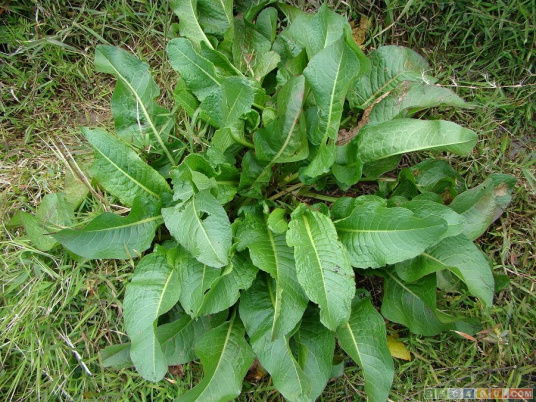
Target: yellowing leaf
pixel 359 32
pixel 397 348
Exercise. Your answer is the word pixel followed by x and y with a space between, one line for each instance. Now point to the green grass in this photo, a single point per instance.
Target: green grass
pixel 56 313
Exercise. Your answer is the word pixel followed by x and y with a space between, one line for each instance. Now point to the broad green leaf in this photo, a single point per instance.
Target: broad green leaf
pixel 347 168
pixel 184 98
pixel 460 256
pixel 375 169
pixel 112 236
pixel 75 189
pixel 54 213
pixel 226 358
pixel 376 236
pixel 275 355
pixel 364 339
pixel 483 204
pixel 284 140
pixel 267 23
pixel 197 72
pixel 215 17
pixel 153 290
pixel 269 252
pixel 116 356
pixel 399 136
pixel 202 227
pixel 265 64
pixel 424 209
pixel 248 46
pixel 317 31
pixel 221 62
pixel 322 266
pixel 228 103
pixel 208 290
pixel 343 207
pixel 436 176
pixel 412 304
pixel 194 174
pixel 254 176
pixel 120 171
pixel 178 338
pixel 410 97
pixel 390 66
pixel 138 119
pixel 330 74
pixel 189 26
pixel 277 222
pixel 316 345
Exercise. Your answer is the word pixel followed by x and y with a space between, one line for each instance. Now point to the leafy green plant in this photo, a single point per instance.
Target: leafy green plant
pixel 245 203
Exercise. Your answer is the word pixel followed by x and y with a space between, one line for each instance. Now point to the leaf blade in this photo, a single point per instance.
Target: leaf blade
pixel 364 339
pixel 112 236
pixel 327 278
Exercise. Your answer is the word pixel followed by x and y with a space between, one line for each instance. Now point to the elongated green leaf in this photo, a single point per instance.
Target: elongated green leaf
pixel 208 290
pixel 202 227
pixel 284 139
pixel 410 97
pixel 267 23
pixel 216 17
pixel 221 62
pixel 269 252
pixel 248 46
pixel 433 175
pixel 189 26
pixel 54 213
pixel 322 265
pixel 254 178
pixel 116 356
pixel 138 119
pixel 424 209
pixel 266 63
pixel 399 136
pixel 317 31
pixel 347 168
pixel 460 256
pixel 228 103
pixel 197 72
pixel 275 355
pixel 195 174
pixel 153 290
pixel 178 338
pixel 329 75
pixel 121 171
pixel 390 66
pixel 364 339
pixel 184 98
pixel 412 305
pixel 316 345
pixel 226 358
pixel 482 205
pixel 376 236
pixel 113 236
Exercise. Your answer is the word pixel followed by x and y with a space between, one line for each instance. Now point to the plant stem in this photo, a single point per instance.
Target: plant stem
pixel 286 191
pixel 289 179
pixel 321 197
pixel 389 179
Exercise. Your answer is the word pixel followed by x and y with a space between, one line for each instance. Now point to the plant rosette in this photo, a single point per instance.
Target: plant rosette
pixel 242 250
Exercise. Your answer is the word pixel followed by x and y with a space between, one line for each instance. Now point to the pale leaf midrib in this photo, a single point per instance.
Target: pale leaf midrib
pixel 310 236
pixel 144 188
pixel 227 337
